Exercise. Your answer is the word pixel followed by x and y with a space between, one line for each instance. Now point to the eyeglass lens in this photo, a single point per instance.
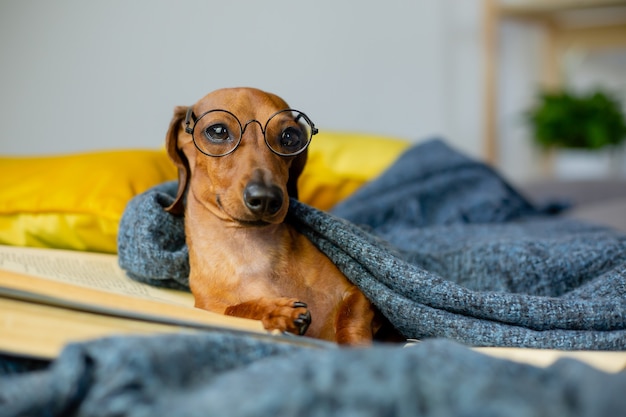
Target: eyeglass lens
pixel 219 132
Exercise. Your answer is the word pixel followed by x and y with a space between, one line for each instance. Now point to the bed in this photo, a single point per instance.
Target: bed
pixel 455 256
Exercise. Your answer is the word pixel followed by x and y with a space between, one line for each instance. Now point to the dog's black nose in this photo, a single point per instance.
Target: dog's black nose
pixel 262 199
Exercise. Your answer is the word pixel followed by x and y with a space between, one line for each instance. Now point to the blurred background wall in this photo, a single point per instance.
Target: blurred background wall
pixel 88 75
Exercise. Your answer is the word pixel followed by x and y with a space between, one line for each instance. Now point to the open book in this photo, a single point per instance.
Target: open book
pixel 51 297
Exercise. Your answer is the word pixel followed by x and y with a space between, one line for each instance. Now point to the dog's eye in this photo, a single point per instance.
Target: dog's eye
pixel 217 133
pixel 291 139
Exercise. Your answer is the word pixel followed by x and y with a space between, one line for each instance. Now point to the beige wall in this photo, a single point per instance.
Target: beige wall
pixel 84 75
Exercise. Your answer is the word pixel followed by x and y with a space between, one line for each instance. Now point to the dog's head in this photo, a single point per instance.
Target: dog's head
pixel 239 153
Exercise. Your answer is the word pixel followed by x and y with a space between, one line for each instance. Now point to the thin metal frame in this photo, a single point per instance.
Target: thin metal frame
pixel 242 128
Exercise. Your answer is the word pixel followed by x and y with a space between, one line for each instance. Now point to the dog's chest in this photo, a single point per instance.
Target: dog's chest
pixel 243 256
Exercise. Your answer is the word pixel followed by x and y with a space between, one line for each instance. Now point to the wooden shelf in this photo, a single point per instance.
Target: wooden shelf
pixel 599 24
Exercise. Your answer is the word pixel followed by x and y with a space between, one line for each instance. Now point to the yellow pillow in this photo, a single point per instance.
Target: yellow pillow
pixel 339 163
pixel 76 201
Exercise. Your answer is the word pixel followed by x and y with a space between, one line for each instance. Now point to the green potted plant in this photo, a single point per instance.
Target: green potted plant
pixel 579 134
pixel 581 121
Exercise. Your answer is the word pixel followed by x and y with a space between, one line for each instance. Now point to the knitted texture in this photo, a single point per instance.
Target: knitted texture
pixel 152 248
pixel 432 184
pixel 445 248
pixel 235 375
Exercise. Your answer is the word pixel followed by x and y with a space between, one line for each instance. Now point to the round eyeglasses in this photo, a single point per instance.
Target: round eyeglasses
pixel 218 132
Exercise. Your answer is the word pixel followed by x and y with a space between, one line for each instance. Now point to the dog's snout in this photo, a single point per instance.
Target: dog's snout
pixel 262 199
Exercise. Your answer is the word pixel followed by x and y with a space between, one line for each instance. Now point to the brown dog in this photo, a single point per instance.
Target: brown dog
pixel 239 155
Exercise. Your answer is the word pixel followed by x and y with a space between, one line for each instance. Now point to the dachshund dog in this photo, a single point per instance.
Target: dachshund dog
pixel 239 153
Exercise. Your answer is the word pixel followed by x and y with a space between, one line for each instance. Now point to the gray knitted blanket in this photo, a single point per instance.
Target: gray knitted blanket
pixel 214 374
pixel 444 248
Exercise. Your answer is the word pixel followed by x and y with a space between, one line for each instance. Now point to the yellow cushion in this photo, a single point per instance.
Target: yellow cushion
pixel 339 163
pixel 76 201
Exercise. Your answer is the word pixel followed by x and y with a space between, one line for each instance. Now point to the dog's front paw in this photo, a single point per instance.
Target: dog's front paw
pixel 288 315
pixel 279 314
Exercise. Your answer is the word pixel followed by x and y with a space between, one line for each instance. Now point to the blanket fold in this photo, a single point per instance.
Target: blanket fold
pixel 444 247
pixel 213 374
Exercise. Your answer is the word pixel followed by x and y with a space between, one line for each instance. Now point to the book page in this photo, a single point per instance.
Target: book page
pixel 607 361
pixel 50 297
pixel 95 283
pixel 41 331
pixel 87 269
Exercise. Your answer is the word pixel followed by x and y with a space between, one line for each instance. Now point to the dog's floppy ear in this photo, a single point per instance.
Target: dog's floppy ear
pixel 297 166
pixel 180 160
